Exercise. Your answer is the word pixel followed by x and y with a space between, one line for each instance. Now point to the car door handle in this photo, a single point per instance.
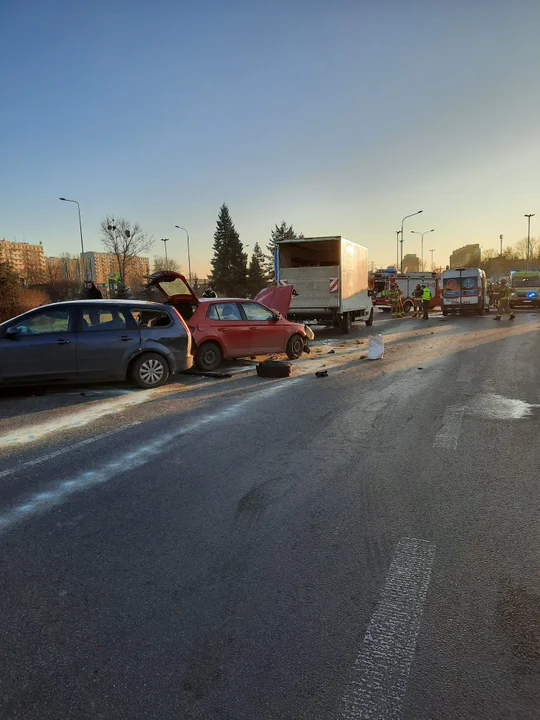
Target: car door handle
pixel 222 329
pixel 125 338
pixel 254 328
pixel 63 342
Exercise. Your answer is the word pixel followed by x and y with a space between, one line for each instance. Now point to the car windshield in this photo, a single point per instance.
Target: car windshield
pixel 175 287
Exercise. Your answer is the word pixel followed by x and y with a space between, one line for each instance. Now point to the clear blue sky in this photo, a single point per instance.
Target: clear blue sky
pixel 339 117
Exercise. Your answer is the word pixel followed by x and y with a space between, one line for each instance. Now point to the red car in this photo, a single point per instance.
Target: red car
pixel 234 327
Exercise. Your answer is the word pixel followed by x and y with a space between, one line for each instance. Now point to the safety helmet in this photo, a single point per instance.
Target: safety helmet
pixel 503 282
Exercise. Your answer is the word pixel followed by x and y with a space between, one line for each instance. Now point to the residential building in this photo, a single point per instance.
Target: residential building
pixel 100 266
pixel 411 263
pixel 63 268
pixel 27 260
pixel 467 256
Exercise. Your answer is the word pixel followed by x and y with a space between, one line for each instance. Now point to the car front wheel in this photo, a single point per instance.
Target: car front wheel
pixel 150 370
pixel 208 357
pixel 295 347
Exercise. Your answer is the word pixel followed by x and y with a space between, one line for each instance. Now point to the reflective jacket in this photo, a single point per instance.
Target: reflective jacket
pixel 426 295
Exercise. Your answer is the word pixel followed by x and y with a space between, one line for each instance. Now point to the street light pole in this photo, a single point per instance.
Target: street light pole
pixel 188 251
pixel 415 232
pixel 406 216
pixel 83 264
pixel 432 263
pixel 529 216
pixel 397 249
pixel 165 241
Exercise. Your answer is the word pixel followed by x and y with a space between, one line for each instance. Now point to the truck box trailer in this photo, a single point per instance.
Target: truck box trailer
pixel 330 278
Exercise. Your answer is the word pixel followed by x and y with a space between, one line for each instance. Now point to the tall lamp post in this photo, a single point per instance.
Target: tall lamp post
pixel 188 252
pixel 529 216
pixel 406 216
pixel 397 249
pixel 415 232
pixel 165 241
pixel 432 263
pixel 83 264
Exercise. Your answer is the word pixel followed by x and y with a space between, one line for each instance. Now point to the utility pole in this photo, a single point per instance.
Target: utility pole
pixel 397 249
pixel 529 216
pixel 501 239
pixel 432 263
pixel 406 216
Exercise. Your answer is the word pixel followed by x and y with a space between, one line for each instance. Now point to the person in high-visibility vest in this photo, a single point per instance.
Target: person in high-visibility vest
pixel 426 299
pixel 504 301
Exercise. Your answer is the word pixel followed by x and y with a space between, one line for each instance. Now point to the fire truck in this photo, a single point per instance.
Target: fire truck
pixel 381 280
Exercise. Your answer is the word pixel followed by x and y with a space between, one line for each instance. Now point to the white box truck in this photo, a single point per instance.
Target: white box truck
pixel 330 277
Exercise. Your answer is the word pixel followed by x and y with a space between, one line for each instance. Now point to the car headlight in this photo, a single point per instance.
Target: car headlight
pixel 514 295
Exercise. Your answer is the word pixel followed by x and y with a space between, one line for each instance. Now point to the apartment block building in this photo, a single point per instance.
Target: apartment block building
pixel 468 255
pixel 27 260
pixel 100 266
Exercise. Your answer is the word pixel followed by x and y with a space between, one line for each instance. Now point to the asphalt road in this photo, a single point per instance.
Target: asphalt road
pixel 358 546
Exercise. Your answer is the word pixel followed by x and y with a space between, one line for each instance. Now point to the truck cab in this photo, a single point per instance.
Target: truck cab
pixel 525 285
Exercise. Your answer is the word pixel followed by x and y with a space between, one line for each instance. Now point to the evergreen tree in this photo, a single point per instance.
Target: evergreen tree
pixel 257 276
pixel 229 264
pixel 279 233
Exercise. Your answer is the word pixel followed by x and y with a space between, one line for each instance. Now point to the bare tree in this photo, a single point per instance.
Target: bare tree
pixel 169 264
pixel 125 240
pixel 521 247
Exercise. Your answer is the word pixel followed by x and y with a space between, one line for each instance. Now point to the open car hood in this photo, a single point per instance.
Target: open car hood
pixel 276 297
pixel 173 287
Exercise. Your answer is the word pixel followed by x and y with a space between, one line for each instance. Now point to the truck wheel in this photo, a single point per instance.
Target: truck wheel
pixel 150 370
pixel 369 321
pixel 445 312
pixel 295 347
pixel 487 309
pixel 407 307
pixel 346 323
pixel 208 357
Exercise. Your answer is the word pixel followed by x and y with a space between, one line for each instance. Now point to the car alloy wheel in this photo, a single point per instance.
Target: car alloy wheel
pixel 151 371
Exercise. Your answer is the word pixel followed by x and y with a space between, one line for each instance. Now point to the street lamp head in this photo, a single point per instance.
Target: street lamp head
pixel 420 211
pixel 62 198
pixel 432 230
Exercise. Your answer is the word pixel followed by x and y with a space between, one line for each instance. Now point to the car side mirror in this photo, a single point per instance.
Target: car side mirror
pixel 12 333
pixel 276 317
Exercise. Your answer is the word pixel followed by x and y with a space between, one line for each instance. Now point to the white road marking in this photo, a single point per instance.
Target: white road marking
pixel 69 448
pixel 381 671
pixel 448 435
pixel 84 416
pixel 58 493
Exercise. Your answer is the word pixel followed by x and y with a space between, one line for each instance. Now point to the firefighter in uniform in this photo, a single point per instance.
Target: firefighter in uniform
pixel 417 300
pixel 504 301
pixel 401 310
pixel 393 297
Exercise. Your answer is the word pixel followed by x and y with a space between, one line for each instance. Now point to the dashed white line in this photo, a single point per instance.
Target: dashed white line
pixel 448 435
pixel 381 671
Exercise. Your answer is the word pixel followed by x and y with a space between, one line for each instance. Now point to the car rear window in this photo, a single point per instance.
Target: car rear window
pixel 99 319
pixel 151 318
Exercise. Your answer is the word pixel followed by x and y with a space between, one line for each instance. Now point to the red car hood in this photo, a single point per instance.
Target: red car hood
pixel 276 297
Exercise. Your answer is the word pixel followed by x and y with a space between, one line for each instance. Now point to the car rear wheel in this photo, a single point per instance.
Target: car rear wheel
pixel 150 370
pixel 295 347
pixel 208 357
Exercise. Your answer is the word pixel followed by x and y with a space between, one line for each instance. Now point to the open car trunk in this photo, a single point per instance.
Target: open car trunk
pixel 176 291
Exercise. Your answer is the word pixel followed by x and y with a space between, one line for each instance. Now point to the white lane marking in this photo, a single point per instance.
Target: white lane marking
pixel 58 493
pixel 81 417
pixel 381 671
pixel 69 448
pixel 448 435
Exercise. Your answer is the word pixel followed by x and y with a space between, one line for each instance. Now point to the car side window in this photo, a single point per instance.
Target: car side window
pixel 46 322
pixel 151 318
pixel 99 319
pixel 224 311
pixel 256 312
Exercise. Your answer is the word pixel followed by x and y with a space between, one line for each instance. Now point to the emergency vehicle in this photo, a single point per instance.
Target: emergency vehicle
pixel 525 286
pixel 465 291
pixel 381 280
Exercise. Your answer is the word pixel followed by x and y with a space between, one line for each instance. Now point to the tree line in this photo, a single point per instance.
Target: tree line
pixel 232 275
pixel 497 264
